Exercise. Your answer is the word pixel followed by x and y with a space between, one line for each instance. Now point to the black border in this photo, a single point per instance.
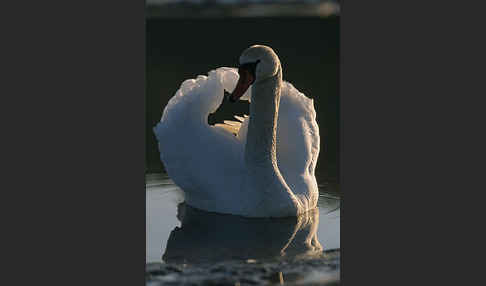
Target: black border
pixel 74 82
pixel 409 126
pixel 74 160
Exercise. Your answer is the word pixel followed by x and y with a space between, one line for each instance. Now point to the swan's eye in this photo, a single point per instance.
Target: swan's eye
pixel 251 67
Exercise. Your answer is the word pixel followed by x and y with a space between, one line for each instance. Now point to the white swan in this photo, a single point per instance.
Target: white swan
pixel 267 169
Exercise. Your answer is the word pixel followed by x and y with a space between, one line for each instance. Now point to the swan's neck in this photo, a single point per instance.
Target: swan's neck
pixel 261 145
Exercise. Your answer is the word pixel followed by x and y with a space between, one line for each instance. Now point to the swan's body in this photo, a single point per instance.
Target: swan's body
pixel 267 169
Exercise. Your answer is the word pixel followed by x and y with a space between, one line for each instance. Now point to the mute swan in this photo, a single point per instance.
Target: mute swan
pixel 262 166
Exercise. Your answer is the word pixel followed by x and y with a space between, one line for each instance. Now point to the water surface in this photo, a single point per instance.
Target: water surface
pixel 177 233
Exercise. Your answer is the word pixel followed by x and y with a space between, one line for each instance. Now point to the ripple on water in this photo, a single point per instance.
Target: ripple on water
pixel 189 246
pixel 195 234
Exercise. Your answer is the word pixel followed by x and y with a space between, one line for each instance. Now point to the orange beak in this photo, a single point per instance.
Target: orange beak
pixel 244 82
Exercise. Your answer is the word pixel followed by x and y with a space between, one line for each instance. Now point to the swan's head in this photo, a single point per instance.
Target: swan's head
pixel 257 63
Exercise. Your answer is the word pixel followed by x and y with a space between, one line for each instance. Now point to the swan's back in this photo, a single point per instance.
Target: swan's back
pixel 207 161
pixel 298 142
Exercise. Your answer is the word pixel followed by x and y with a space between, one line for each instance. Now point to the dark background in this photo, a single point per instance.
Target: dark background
pixel 308 47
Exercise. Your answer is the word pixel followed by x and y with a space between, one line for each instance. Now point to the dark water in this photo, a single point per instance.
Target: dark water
pixel 179 49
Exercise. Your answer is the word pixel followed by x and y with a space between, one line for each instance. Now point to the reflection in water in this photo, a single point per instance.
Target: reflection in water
pixel 209 237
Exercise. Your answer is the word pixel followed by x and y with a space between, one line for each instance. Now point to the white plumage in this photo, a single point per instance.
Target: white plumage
pixel 208 161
